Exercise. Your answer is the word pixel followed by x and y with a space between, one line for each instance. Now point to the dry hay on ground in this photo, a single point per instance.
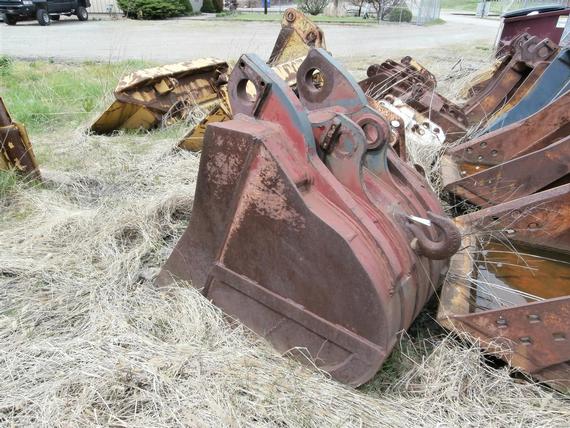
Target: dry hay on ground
pixel 85 338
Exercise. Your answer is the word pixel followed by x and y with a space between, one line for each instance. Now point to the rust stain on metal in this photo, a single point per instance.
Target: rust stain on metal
pixel 311 251
pixel 525 60
pixel 16 151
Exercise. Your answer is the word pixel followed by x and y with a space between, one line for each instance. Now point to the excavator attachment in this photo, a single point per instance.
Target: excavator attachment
pixel 515 161
pixel 163 95
pixel 307 226
pixel 15 148
pixel 525 61
pixel 509 286
pixel 413 84
pixel 297 36
pixel 147 98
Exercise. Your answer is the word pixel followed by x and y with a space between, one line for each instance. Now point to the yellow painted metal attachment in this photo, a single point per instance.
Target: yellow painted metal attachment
pixel 169 93
pixel 15 148
pixel 298 34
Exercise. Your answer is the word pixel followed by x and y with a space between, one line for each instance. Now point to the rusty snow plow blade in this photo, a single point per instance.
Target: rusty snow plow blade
pixel 146 98
pixel 15 148
pixel 306 226
pixel 297 36
pixel 509 286
pixel 522 66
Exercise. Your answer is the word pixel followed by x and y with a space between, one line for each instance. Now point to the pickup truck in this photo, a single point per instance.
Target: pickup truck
pixel 44 11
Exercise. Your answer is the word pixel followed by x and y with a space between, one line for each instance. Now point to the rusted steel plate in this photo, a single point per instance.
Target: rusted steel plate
pixel 305 191
pixel 541 220
pixel 535 132
pixel 16 151
pixel 486 296
pixel 512 179
pixel 532 337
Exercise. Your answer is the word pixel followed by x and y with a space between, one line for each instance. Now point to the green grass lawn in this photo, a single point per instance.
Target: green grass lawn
pixel 44 95
pixel 468 5
pixel 276 17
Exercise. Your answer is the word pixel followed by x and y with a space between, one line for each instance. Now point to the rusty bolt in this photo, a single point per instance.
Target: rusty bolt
pixel 311 38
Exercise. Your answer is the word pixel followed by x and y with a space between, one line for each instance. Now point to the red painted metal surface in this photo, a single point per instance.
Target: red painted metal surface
pixel 542 25
pixel 306 226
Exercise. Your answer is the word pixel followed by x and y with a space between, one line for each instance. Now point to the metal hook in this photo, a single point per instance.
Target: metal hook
pixel 448 238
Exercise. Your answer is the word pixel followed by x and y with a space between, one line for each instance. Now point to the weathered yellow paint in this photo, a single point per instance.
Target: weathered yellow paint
pixel 16 151
pixel 145 97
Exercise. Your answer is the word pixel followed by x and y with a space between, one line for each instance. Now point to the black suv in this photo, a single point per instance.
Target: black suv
pixel 42 10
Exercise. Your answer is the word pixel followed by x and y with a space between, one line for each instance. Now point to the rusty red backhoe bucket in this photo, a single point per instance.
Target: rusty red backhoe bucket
pixel 306 226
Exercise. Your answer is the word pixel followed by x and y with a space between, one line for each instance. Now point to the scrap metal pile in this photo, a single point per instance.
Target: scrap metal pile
pixel 314 225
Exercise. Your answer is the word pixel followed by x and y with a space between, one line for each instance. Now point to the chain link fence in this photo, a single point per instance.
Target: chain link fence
pixel 498 7
pixel 424 11
pixel 509 5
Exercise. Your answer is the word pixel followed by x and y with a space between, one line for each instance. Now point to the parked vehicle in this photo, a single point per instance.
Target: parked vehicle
pixel 44 11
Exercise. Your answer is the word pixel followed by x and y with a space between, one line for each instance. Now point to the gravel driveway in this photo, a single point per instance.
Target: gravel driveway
pixel 183 39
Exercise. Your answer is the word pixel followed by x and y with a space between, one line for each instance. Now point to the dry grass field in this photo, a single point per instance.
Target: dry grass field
pixel 86 340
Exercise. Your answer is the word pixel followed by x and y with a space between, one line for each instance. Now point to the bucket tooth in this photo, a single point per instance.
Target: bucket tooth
pixel 16 151
pixel 311 250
